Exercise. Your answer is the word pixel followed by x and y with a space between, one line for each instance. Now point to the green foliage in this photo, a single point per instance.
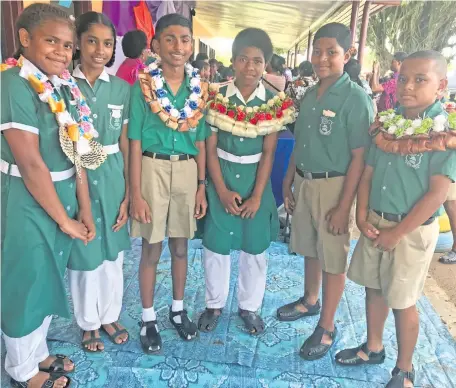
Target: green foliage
pixel 413 26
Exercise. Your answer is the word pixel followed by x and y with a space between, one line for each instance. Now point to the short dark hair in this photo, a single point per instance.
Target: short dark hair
pixel 253 37
pixel 277 63
pixel 213 61
pixel 338 31
pixel 172 19
pixel 305 69
pixel 36 14
pixel 133 43
pixel 400 56
pixel 88 19
pixel 200 64
pixel 201 57
pixel 441 64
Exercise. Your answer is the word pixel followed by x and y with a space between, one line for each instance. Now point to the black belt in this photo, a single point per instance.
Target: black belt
pixel 318 175
pixel 399 217
pixel 172 158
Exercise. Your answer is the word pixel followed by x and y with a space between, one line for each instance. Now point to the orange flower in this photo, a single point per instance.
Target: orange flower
pixel 73 132
pixel 37 85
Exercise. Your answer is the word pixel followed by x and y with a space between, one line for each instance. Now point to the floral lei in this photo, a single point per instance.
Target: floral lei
pixel 76 138
pixel 251 122
pixel 152 86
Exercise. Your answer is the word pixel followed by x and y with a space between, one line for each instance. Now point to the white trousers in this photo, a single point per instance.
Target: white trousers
pixel 251 280
pixel 24 354
pixel 97 295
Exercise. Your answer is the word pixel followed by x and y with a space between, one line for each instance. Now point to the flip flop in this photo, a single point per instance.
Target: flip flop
pixel 92 340
pixel 117 333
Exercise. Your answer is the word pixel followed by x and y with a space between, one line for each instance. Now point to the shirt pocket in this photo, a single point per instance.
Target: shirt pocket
pixel 115 117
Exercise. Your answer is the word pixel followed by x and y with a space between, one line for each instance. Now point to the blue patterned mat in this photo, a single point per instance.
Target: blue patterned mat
pixel 230 357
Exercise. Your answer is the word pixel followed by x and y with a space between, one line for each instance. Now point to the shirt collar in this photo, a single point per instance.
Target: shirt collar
pixel 77 73
pixel 431 111
pixel 335 88
pixel 259 92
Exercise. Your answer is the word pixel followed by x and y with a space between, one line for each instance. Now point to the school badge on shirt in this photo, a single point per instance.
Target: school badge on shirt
pixel 115 117
pixel 414 160
pixel 326 122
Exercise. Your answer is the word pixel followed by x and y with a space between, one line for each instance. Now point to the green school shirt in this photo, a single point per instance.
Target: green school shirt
pixel 34 251
pixel 399 182
pixel 155 136
pixel 325 143
pixel 109 101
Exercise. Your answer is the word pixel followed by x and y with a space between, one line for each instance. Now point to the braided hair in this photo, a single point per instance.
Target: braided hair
pixel 88 19
pixel 36 14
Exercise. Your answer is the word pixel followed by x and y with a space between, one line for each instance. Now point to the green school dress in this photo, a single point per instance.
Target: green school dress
pixel 35 251
pixel 109 101
pixel 222 231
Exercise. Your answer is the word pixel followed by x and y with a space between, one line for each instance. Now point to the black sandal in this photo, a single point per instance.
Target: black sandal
pixel 151 342
pixel 290 313
pixel 117 333
pixel 92 340
pixel 252 321
pixel 208 320
pixel 313 349
pixel 399 376
pixel 187 330
pixel 58 366
pixel 349 357
pixel 49 383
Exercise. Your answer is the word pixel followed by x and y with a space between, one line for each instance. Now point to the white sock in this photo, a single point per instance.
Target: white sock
pixel 178 305
pixel 147 316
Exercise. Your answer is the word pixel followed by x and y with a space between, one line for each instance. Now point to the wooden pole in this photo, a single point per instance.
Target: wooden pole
pixel 363 35
pixel 354 21
pixel 309 46
pixel 288 58
pixel 296 56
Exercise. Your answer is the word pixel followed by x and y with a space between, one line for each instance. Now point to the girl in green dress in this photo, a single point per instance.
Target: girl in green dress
pixel 40 195
pixel 95 271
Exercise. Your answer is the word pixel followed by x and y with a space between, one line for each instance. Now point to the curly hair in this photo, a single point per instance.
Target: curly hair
pixel 35 15
pixel 88 19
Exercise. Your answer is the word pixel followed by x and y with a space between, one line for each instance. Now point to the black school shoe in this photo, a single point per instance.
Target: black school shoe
pixel 187 330
pixel 151 342
pixel 349 357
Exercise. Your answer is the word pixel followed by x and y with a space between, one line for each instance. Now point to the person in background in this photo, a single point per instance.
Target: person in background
pixel 288 75
pixel 202 57
pixel 298 87
pixel 204 70
pixel 214 65
pixel 274 80
pixel 353 69
pixel 134 46
pixel 387 88
pixel 226 74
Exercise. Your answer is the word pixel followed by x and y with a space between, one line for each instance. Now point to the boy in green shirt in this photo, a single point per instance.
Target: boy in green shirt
pixel 167 169
pixel 399 197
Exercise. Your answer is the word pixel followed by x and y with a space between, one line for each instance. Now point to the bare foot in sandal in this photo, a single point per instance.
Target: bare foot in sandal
pixel 39 379
pixel 50 362
pixel 92 342
pixel 116 332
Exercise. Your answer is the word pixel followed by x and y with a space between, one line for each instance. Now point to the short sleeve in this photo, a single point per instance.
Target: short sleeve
pixel 137 113
pixel 203 131
pixel 359 118
pixel 444 163
pixel 371 155
pixel 126 110
pixel 18 107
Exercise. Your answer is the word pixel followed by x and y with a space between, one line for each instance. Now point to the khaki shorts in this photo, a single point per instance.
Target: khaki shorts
pixel 452 193
pixel 400 274
pixel 170 189
pixel 309 229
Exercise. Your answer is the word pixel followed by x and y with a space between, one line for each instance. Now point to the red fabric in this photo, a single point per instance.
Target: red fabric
pixel 144 20
pixel 388 98
pixel 129 70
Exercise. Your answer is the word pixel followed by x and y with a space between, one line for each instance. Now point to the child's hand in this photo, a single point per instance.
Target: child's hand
pixel 288 199
pixel 338 218
pixel 74 229
pixel 122 218
pixel 85 217
pixel 230 200
pixel 387 240
pixel 140 210
pixel 200 202
pixel 368 230
pixel 250 207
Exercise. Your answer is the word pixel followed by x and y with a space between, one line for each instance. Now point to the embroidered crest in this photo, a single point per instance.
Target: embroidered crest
pixel 115 119
pixel 414 160
pixel 326 126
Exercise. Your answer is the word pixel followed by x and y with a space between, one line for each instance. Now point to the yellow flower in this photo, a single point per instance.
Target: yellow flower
pixel 256 108
pixel 241 107
pixel 73 132
pixel 282 95
pixel 249 109
pixel 219 97
pixel 37 85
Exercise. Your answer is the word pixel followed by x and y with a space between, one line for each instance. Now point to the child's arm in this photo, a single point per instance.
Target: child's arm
pixel 37 178
pixel 201 203
pixel 288 197
pixel 420 213
pixel 85 208
pixel 227 197
pixel 251 205
pixel 338 217
pixel 140 210
pixel 122 218
pixel 362 204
